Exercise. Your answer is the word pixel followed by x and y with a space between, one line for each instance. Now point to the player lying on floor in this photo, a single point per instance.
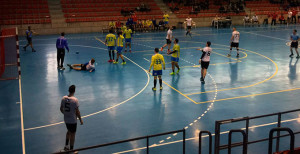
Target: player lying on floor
pixel 89 66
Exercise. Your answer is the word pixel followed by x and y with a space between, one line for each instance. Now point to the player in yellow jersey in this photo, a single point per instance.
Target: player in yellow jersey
pixel 175 56
pixel 120 42
pixel 158 63
pixel 166 18
pixel 127 33
pixel 110 42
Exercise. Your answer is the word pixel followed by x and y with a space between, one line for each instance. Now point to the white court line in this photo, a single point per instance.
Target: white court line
pixel 265 36
pixel 21 112
pixel 194 138
pixel 147 83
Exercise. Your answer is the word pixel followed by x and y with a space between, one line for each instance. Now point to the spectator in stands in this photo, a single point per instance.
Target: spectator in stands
pixel 298 16
pixel 29 34
pixel 118 24
pixel 111 25
pixel 266 20
pixel 222 9
pixel 255 19
pixel 246 19
pixel 281 19
pixel 161 24
pixel 294 13
pixel 140 24
pixel 155 25
pixel 289 19
pixel 134 19
pixel 129 23
pixel 166 18
pixel 149 24
pixel 274 17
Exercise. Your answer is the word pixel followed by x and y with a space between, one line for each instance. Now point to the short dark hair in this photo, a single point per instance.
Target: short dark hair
pixel 295 30
pixel 156 50
pixel 119 33
pixel 111 31
pixel 62 34
pixel 92 60
pixel 208 43
pixel 72 89
pixel 176 40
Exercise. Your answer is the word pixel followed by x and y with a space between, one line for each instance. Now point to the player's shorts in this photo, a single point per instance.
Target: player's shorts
pixel 72 127
pixel 235 45
pixel 60 52
pixel 128 40
pixel 111 48
pixel 156 72
pixel 174 59
pixel 29 40
pixel 168 41
pixel 204 64
pixel 189 27
pixel 119 50
pixel 294 44
pixel 166 22
pixel 83 66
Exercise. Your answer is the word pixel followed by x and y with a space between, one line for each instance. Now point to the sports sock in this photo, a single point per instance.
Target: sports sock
pixel 123 60
pixel 238 51
pixel 67 142
pixel 160 82
pixel 113 54
pixel 117 60
pixel 109 52
pixel 155 81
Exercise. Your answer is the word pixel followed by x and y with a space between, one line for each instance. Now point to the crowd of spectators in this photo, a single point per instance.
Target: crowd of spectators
pixel 236 7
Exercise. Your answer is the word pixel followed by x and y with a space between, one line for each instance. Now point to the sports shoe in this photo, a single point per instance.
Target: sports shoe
pixel 298 56
pixel 62 68
pixel 66 148
pixel 228 55
pixel 291 55
pixel 201 79
pixel 70 66
pixel 161 49
pixel 238 55
pixel 203 82
pixel 115 62
pixel 123 63
pixel 161 88
pixel 154 89
pixel 110 61
pixel 172 73
pixel 178 71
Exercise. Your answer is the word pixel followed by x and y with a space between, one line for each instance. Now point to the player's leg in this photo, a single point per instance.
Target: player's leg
pixel 118 55
pixel 72 140
pixel 204 73
pixel 173 67
pixel 169 46
pixel 296 49
pixel 129 46
pixel 237 52
pixel 178 69
pixel 58 58
pixel 162 48
pixel 160 82
pixel 123 63
pixel 230 49
pixel 291 49
pixel 155 81
pixel 109 53
pixel 62 60
pixel 67 141
pixel 113 54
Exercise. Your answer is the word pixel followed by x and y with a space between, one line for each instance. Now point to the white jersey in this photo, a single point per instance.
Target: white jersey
pixel 236 37
pixel 290 14
pixel 90 66
pixel 69 105
pixel 169 33
pixel 206 52
pixel 255 18
pixel 188 21
pixel 246 18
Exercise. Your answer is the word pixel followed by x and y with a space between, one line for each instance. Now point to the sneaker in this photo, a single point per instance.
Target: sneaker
pixel 298 56
pixel 238 55
pixel 70 66
pixel 115 62
pixel 62 68
pixel 161 88
pixel 291 55
pixel 154 89
pixel 201 79
pixel 161 49
pixel 66 148
pixel 110 61
pixel 178 71
pixel 172 73
pixel 228 55
pixel 123 63
pixel 24 48
pixel 203 82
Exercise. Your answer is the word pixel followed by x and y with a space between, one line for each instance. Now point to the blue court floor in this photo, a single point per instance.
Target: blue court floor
pixel 117 101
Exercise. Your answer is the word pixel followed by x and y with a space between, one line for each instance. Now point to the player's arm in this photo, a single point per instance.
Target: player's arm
pixel 152 63
pixel 173 52
pixel 61 107
pixel 66 44
pixel 78 115
pixel 231 38
pixel 163 61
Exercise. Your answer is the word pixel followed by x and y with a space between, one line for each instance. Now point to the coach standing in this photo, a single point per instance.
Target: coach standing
pixel 61 44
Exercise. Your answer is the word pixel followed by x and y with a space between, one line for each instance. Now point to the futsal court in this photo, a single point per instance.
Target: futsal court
pixel 117 101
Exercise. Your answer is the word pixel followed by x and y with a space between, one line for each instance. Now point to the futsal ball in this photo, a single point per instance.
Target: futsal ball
pixel 77 52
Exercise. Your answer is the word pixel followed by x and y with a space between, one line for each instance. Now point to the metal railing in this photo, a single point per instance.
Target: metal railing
pixel 132 139
pixel 291 133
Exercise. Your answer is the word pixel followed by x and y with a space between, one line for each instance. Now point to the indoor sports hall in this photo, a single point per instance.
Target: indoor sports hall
pixel 245 99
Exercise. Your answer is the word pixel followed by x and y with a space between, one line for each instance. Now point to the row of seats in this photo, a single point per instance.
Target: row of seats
pixel 103 1
pixel 209 15
pixel 262 5
pixel 97 5
pixel 26 6
pixel 20 22
pixel 74 15
pixel 23 2
pixel 266 9
pixel 107 9
pixel 9 11
pixel 269 12
pixel 99 19
pixel 27 16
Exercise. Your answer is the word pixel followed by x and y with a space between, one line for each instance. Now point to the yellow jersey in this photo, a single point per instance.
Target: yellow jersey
pixel 177 48
pixel 157 61
pixel 111 24
pixel 120 41
pixel 123 29
pixel 110 39
pixel 149 22
pixel 166 17
pixel 128 33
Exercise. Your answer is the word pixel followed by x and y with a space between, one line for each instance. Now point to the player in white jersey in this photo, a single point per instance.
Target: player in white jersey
pixel 235 39
pixel 70 108
pixel 168 39
pixel 204 60
pixel 188 22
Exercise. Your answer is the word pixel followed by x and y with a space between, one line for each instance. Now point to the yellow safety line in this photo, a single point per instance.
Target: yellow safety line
pixel 248 96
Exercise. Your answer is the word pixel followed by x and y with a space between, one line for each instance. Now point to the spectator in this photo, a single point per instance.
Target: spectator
pixel 246 19
pixel 111 25
pixel 289 19
pixel 161 24
pixel 155 25
pixel 298 16
pixel 274 17
pixel 294 13
pixel 281 19
pixel 134 19
pixel 255 19
pixel 166 18
pixel 118 24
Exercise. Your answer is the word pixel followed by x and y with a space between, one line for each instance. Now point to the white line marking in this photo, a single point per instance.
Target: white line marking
pixel 21 112
pixel 147 60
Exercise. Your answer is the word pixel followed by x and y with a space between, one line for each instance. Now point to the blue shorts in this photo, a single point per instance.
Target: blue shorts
pixel 111 48
pixel 128 40
pixel 175 59
pixel 119 49
pixel 166 22
pixel 157 73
